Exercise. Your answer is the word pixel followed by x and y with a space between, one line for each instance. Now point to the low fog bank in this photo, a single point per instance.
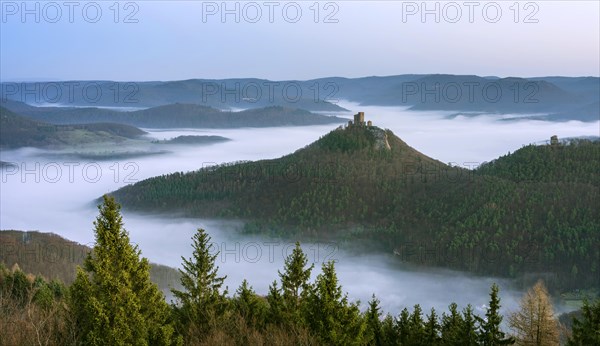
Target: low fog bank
pixel 43 191
pixel 259 258
pixel 466 139
pixel 70 105
pixel 50 194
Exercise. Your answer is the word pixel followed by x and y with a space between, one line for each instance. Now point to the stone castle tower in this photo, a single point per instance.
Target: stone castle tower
pixel 359 120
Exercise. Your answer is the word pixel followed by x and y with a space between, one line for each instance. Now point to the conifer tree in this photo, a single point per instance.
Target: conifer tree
pixel 402 326
pixel 328 313
pixel 468 335
pixel 276 305
pixel 534 324
pixel 19 285
pixel 491 333
pixel 202 302
pixel 249 305
pixel 373 321
pixel 451 326
pixel 587 330
pixel 294 280
pixel 388 331
pixel 432 329
pixel 416 328
pixel 112 299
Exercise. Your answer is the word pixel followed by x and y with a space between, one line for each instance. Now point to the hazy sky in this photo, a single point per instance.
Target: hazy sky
pixel 159 40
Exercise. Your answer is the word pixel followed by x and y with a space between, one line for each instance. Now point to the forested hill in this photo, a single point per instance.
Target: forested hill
pixel 574 161
pixel 316 185
pixel 176 115
pixel 56 258
pixel 532 211
pixel 20 131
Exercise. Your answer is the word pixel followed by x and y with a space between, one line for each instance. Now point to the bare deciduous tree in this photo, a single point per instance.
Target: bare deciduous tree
pixel 534 324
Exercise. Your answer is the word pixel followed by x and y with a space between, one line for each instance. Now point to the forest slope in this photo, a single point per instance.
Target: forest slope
pixel 532 211
pixel 56 258
pixel 19 131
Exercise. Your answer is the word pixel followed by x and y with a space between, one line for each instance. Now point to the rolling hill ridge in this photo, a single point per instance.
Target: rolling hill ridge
pixel 530 211
pixel 175 116
pixel 552 98
pixel 20 131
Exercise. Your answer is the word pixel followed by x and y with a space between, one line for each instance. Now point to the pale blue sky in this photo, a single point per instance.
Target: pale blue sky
pixel 181 40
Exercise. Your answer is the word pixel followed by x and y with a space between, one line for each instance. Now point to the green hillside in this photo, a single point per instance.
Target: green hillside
pixel 534 211
pixel 576 162
pixel 328 175
pixel 56 258
pixel 20 131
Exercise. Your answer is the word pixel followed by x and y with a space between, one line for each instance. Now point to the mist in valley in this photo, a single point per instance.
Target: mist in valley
pixel 51 194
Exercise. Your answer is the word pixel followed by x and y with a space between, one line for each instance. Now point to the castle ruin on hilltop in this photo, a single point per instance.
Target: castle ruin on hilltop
pixel 359 121
pixel 381 136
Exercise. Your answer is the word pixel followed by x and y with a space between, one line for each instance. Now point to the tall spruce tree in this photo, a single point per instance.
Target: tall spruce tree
pixel 201 304
pixel 294 281
pixel 468 335
pixel 451 326
pixel 416 327
pixel 587 330
pixel 112 298
pixel 402 327
pixel 249 305
pixel 534 323
pixel 389 335
pixel 432 329
pixel 373 321
pixel 328 313
pixel 491 333
pixel 275 312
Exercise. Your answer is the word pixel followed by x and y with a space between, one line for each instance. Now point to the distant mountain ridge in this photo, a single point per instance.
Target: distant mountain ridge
pixel 561 98
pixel 177 116
pixel 223 94
pixel 566 96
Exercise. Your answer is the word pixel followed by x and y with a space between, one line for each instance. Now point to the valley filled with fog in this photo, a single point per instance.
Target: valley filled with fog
pixel 53 194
